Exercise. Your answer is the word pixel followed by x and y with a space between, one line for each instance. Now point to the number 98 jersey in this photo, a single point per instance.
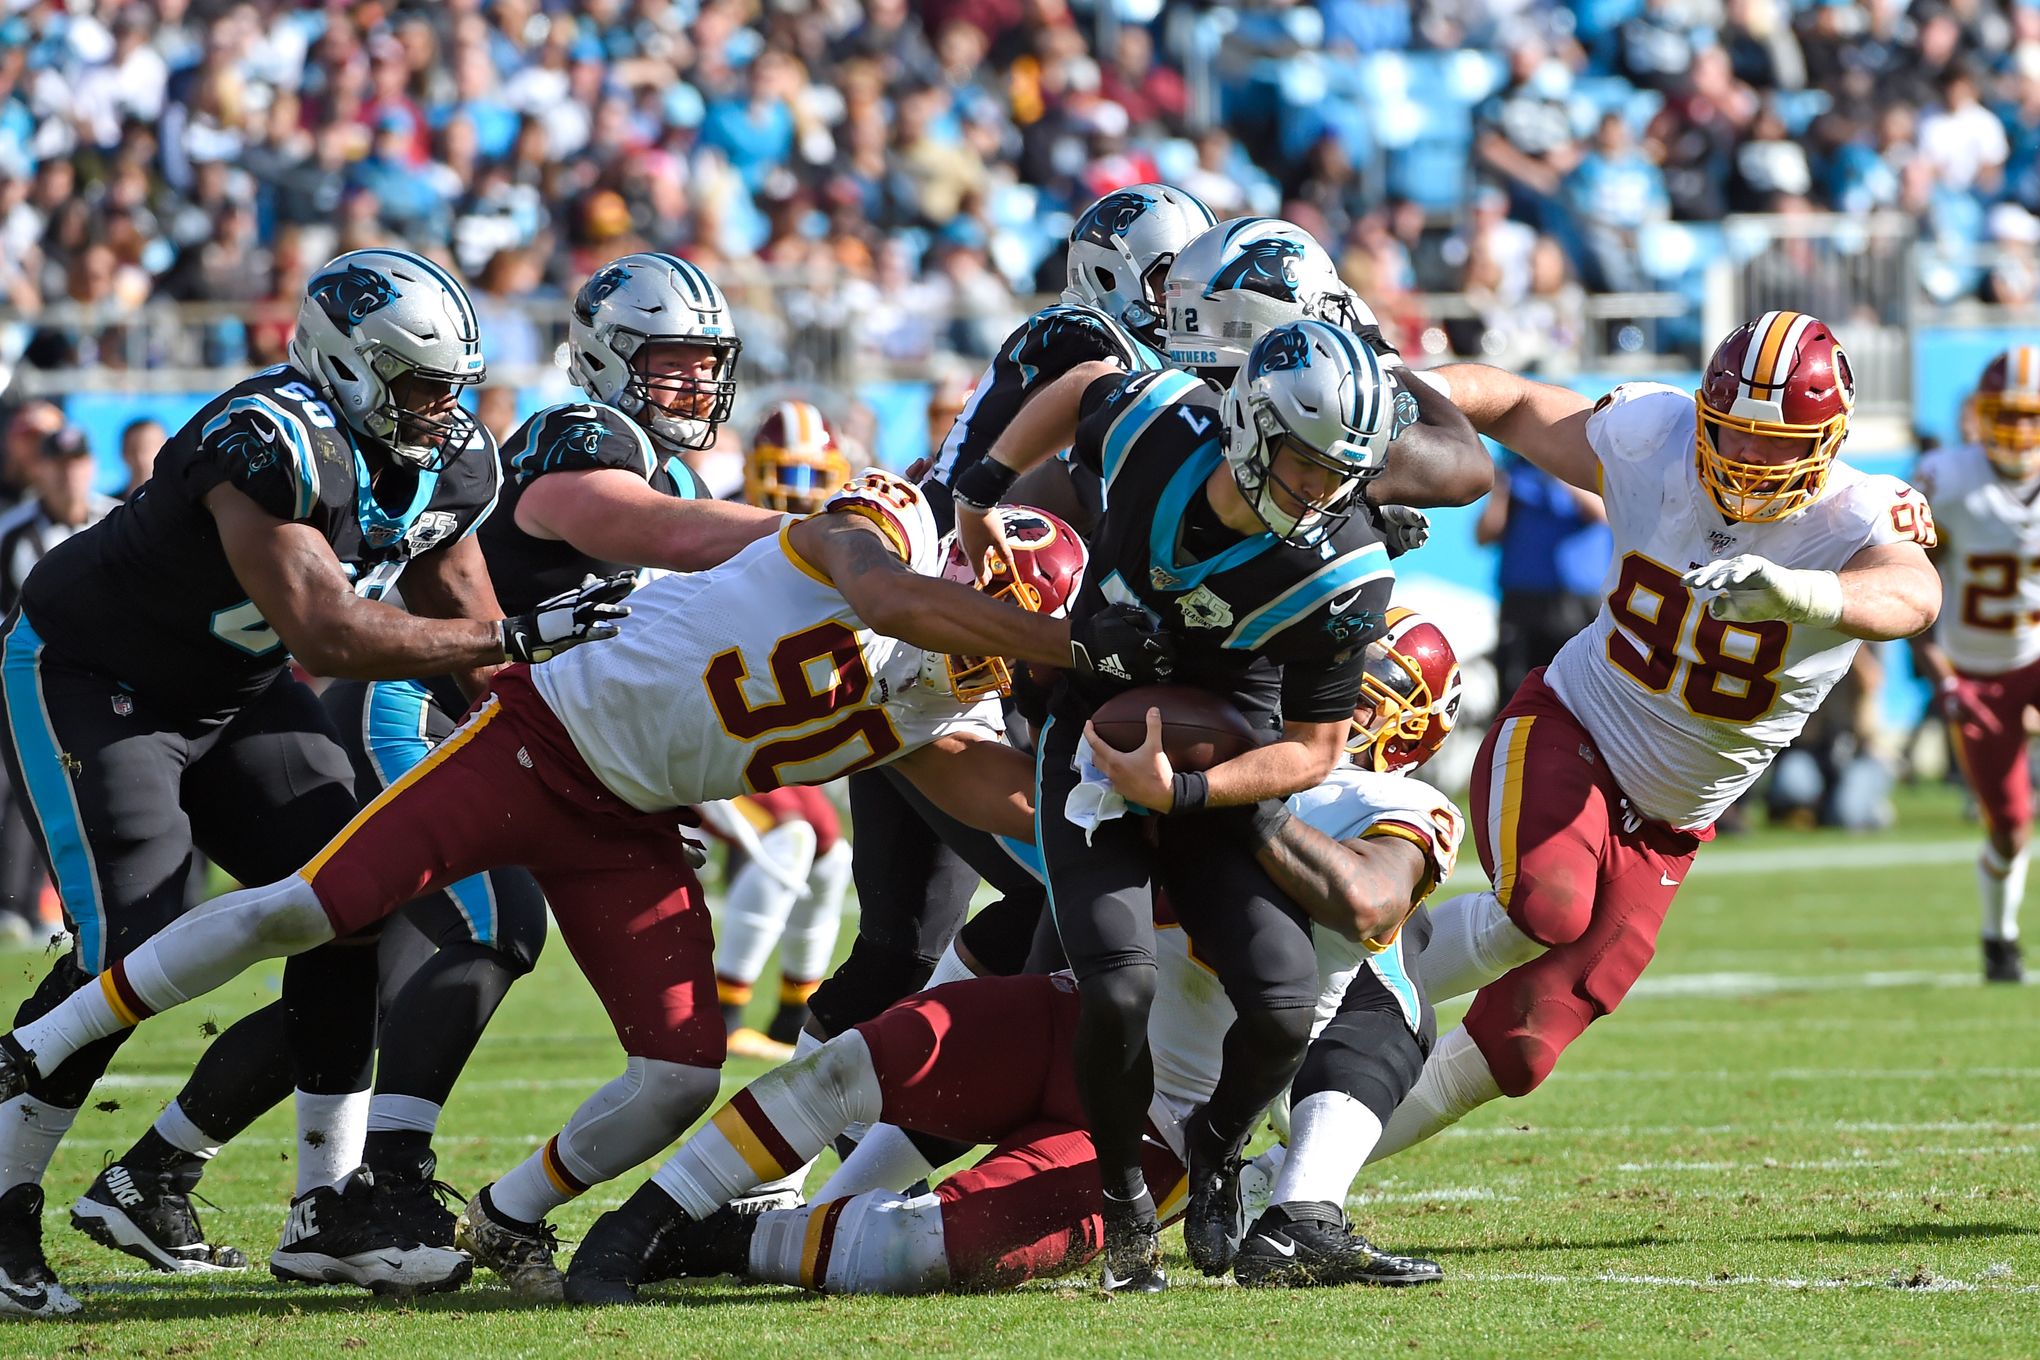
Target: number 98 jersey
pixel 1688 709
pixel 1990 563
pixel 752 675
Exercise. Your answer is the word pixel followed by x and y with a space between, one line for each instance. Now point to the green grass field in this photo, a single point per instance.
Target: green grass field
pixel 1812 1131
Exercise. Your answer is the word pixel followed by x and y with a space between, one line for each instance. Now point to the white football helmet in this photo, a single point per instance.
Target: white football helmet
pixel 378 332
pixel 1122 246
pixel 632 302
pixel 1323 391
pixel 1241 279
pixel 899 509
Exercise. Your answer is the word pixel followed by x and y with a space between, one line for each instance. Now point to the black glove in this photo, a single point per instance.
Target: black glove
pixel 587 613
pixel 1403 528
pixel 1123 642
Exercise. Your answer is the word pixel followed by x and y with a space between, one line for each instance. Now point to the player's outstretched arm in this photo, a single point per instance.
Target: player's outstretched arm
pixel 453 582
pixel 1885 592
pixel 614 515
pixel 1363 888
pixel 924 611
pixel 291 574
pixel 1437 461
pixel 1045 423
pixel 1546 424
pixel 980 782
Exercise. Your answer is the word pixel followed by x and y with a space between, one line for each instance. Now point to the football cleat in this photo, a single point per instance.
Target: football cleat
pixel 717 1245
pixel 745 1042
pixel 412 1201
pixel 1213 1218
pixel 628 1246
pixel 1131 1259
pixel 1300 1244
pixel 520 1253
pixel 335 1235
pixel 148 1215
pixel 17 1066
pixel 28 1287
pixel 2003 961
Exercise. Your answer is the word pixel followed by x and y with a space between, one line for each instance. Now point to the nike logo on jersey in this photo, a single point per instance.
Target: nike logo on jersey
pixel 1667 882
pixel 1280 1246
pixel 1341 603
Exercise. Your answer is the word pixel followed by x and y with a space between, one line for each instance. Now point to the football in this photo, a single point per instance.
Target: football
pixel 1199 729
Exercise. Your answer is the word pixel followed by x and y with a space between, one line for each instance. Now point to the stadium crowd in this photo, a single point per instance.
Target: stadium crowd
pixel 931 153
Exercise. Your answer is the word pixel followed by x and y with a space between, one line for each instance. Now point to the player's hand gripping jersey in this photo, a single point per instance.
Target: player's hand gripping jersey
pixel 1991 563
pixel 1187 1027
pixel 756 674
pixel 575 436
pixel 152 581
pixel 1686 708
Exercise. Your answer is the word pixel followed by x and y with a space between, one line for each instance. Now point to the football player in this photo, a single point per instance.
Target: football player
pixel 1984 657
pixel 1232 520
pixel 150 710
pixel 1750 564
pixel 590 487
pixel 825 649
pixel 990 1061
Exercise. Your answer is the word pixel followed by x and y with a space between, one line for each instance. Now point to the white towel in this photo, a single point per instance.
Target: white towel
pixel 1093 801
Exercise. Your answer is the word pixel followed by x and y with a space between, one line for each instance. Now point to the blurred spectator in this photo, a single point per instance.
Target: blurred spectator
pixel 1962 140
pixel 140 441
pixel 496 409
pixel 28 428
pixel 62 503
pixel 1656 48
pixel 1555 547
pixel 1524 133
pixel 502 295
pixel 1767 164
pixel 1140 83
pixel 1613 193
pixel 1693 137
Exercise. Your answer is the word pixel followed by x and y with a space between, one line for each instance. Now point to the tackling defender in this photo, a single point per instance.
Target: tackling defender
pixel 1984 657
pixel 1750 565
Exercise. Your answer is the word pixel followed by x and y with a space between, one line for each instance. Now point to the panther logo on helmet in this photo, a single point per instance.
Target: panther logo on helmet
pixel 1113 215
pixel 1265 266
pixel 600 285
pixel 1285 350
pixel 353 295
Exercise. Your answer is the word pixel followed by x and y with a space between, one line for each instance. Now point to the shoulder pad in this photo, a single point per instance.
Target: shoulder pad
pixel 577 437
pixel 266 444
pixel 1890 512
pixel 898 508
pixel 1637 421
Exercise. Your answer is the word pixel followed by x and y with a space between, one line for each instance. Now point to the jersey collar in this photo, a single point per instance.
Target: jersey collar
pixel 1165 530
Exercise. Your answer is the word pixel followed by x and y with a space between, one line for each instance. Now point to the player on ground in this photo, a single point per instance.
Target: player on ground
pixel 1233 521
pixel 591 487
pixel 1984 657
pixel 150 711
pixel 1750 565
pixel 793 662
pixel 788 886
pixel 990 1061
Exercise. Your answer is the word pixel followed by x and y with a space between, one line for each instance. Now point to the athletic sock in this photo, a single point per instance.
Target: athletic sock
pixel 331 1131
pixel 2001 884
pixel 30 1130
pixel 1330 1136
pixel 1455 1081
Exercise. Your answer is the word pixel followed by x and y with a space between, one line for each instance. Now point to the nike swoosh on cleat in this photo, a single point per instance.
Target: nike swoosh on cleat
pixel 1280 1248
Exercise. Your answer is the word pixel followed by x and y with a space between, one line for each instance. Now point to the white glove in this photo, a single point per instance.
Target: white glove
pixel 1748 588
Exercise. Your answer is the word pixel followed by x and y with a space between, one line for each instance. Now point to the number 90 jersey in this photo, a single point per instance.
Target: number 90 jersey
pixel 1688 709
pixel 1990 563
pixel 740 679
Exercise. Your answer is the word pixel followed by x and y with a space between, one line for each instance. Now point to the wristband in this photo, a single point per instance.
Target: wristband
pixel 981 485
pixel 1190 790
pixel 1265 821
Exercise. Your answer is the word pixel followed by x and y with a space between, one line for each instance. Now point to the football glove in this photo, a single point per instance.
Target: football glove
pixel 1123 642
pixel 1749 588
pixel 1403 528
pixel 587 613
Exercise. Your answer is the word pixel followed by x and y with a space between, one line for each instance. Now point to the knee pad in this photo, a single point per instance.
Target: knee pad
pixel 633 1117
pixel 884 1244
pixel 1368 1055
pixel 1120 999
pixel 1521 1052
pixel 868 981
pixel 1554 904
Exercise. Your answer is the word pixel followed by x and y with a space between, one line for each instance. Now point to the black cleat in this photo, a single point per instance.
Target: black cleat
pixel 28 1287
pixel 1213 1218
pixel 1309 1243
pixel 148 1215
pixel 629 1246
pixel 337 1234
pixel 717 1245
pixel 2003 961
pixel 1131 1260
pixel 413 1202
pixel 17 1066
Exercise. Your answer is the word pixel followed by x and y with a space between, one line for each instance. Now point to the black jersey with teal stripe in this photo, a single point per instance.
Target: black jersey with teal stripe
pixel 571 437
pixel 147 596
pixel 1279 629
pixel 1044 347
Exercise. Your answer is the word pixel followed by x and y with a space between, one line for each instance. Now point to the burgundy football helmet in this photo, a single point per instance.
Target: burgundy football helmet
pixel 1042 576
pixel 1409 695
pixel 1782 377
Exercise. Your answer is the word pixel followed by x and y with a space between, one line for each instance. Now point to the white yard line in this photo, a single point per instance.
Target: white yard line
pixel 1923 1284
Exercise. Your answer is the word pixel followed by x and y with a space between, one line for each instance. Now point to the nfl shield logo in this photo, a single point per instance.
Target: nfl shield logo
pixel 123 706
pixel 1163 580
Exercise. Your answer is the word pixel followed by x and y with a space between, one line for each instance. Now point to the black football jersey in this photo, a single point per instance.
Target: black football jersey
pixel 571 437
pixel 1279 629
pixel 1044 347
pixel 147 596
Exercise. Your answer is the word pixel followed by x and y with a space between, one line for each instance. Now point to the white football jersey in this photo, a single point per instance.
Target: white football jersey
pixel 1688 709
pixel 1989 561
pixel 1186 1029
pixel 749 676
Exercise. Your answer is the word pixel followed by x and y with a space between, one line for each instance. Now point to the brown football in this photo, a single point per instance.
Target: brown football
pixel 1199 729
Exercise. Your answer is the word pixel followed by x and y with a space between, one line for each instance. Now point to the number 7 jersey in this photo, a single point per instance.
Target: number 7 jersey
pixel 1688 709
pixel 750 676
